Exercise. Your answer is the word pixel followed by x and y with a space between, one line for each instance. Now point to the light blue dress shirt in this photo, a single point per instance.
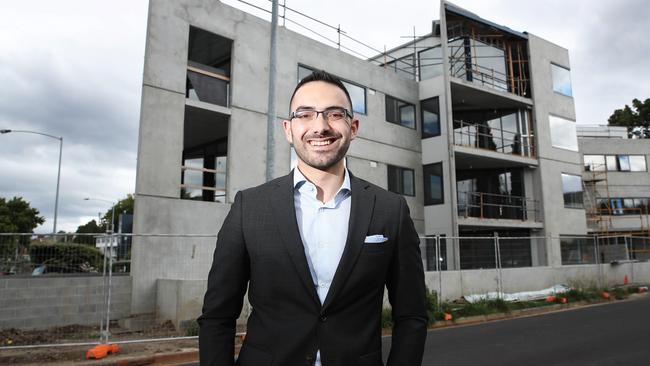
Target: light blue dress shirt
pixel 323 230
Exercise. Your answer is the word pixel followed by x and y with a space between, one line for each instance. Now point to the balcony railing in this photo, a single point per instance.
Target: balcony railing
pixel 207 84
pixel 485 137
pixel 497 206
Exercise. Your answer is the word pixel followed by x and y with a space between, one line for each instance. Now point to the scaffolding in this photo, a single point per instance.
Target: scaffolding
pixel 599 207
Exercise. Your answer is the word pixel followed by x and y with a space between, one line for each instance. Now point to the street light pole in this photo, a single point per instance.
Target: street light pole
pixel 58 174
pixel 113 204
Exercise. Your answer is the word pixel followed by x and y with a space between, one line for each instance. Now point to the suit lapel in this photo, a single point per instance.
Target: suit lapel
pixel 285 215
pixel 363 203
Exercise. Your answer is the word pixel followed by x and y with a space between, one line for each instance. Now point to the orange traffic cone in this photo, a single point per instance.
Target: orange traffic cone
pixel 551 299
pixel 563 300
pixel 626 281
pixel 605 295
pixel 448 316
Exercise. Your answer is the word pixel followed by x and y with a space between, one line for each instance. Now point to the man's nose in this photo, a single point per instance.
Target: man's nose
pixel 320 123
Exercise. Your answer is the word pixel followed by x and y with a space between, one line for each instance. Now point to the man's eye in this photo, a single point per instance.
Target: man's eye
pixel 336 115
pixel 303 115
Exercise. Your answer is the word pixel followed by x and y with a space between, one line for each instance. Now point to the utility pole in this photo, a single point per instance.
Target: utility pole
pixel 270 121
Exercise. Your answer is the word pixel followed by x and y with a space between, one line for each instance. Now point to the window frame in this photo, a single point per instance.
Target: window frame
pixel 575 132
pixel 553 85
pixel 564 193
pixel 428 200
pixel 423 133
pixel 397 102
pixel 400 189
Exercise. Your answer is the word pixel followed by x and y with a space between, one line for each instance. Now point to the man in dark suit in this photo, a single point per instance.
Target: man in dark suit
pixel 316 248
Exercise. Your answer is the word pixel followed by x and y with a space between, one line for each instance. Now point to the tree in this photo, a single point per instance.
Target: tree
pixel 90 227
pixel 638 115
pixel 16 216
pixel 123 206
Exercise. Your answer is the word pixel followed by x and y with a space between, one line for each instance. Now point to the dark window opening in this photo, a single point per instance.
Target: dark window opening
pixel 433 184
pixel 400 112
pixel 430 109
pixel 401 180
pixel 205 154
pixel 208 67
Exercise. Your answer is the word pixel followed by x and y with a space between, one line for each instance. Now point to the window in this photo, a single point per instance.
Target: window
pixel 208 67
pixel 563 133
pixel 625 206
pixel 577 250
pixel 357 93
pixel 400 112
pixel 205 155
pixel 572 190
pixel 624 163
pixel 430 63
pixel 637 163
pixel 612 164
pixel 433 185
pixel 561 80
pixel 594 163
pixel 401 180
pixel 430 109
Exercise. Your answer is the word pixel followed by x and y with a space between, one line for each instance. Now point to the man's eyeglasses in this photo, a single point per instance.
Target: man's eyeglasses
pixel 329 114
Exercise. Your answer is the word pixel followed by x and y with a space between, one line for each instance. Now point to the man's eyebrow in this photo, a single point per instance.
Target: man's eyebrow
pixel 303 107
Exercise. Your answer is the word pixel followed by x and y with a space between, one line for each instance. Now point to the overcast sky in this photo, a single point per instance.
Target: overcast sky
pixel 74 69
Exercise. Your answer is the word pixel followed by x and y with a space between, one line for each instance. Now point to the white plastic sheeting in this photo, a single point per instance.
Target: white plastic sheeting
pixel 518 296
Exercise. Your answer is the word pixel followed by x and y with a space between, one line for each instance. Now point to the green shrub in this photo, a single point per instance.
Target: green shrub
pixel 191 328
pixel 66 257
pixel 620 293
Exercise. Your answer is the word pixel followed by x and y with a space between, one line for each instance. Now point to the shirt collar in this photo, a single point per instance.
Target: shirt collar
pixel 299 179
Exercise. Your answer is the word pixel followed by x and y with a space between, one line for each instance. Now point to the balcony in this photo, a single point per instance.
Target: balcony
pixel 497 206
pixel 484 136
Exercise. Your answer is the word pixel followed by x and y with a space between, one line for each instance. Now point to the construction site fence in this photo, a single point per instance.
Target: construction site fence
pixel 80 289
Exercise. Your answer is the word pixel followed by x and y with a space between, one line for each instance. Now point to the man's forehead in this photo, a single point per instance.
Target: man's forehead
pixel 319 94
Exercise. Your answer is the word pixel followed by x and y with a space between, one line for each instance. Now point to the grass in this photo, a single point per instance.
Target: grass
pixel 459 309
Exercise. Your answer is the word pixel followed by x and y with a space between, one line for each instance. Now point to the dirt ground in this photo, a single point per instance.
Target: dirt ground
pixel 73 355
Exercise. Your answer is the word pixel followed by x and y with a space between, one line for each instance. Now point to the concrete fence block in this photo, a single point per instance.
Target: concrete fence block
pixel 17 282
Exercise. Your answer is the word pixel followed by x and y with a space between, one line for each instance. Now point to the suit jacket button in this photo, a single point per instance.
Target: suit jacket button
pixel 323 318
pixel 309 359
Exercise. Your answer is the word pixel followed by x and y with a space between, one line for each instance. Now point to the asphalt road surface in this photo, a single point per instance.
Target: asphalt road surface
pixel 612 334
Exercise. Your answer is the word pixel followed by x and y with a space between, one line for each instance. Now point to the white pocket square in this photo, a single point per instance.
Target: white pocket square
pixel 375 239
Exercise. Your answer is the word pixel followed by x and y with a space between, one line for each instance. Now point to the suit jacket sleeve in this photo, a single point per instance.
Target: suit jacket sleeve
pixel 406 292
pixel 223 300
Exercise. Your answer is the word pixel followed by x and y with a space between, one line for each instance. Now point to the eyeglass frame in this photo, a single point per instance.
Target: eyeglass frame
pixel 347 113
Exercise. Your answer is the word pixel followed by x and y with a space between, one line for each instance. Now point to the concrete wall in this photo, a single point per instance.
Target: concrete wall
pixel 42 302
pixel 553 161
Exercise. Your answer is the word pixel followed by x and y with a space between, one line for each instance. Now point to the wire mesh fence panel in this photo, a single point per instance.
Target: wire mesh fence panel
pixel 92 288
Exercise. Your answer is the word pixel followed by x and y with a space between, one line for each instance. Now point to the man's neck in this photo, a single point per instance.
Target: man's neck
pixel 327 182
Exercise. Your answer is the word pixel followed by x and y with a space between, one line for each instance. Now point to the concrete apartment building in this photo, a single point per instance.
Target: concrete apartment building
pixel 473 123
pixel 617 188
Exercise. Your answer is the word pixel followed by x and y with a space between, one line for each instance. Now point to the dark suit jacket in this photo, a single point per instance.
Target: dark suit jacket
pixel 259 245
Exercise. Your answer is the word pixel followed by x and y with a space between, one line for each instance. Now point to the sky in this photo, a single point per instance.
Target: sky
pixel 73 68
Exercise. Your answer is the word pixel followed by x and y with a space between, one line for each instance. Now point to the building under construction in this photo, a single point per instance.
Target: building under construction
pixel 473 123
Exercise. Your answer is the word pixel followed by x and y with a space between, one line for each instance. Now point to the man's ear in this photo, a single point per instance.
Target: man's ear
pixel 354 128
pixel 286 124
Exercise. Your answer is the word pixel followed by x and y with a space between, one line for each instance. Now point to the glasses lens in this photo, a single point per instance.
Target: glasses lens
pixel 334 114
pixel 305 115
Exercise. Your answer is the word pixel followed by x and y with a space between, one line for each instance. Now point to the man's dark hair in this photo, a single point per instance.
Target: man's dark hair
pixel 321 75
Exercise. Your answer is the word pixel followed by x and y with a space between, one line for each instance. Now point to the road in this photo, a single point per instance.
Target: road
pixel 611 334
